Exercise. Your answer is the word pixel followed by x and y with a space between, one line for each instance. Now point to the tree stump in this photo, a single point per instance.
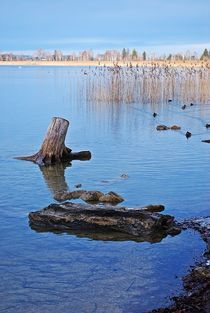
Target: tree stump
pixel 53 149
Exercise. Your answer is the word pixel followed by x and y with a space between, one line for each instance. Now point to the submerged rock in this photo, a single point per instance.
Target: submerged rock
pixel 131 221
pixel 206 141
pixel 162 127
pixel 124 176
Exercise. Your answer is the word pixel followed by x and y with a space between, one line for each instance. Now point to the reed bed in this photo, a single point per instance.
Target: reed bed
pixel 147 84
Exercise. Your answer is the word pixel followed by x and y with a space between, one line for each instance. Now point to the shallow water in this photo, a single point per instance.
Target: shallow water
pixel 48 272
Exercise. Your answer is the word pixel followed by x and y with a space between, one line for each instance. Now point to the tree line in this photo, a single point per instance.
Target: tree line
pixel 109 55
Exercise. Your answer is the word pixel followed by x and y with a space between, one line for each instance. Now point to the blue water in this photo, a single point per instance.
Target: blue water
pixel 48 272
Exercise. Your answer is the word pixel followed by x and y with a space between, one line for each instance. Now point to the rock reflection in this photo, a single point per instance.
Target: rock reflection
pixel 104 235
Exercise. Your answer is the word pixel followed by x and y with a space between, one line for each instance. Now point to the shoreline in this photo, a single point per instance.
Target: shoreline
pixel 196 63
pixel 196 281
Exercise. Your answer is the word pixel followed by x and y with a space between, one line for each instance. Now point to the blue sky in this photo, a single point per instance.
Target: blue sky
pixel 155 25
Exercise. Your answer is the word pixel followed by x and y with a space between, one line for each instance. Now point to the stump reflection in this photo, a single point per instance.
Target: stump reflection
pixel 54 176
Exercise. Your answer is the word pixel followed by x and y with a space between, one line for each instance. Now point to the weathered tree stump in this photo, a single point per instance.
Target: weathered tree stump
pixel 53 149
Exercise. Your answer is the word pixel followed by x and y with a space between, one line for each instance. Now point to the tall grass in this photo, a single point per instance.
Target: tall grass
pixel 147 84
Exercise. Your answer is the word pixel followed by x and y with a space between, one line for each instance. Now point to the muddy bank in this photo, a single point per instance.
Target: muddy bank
pixel 197 282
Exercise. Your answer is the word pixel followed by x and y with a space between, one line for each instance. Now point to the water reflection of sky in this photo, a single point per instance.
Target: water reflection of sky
pixel 54 272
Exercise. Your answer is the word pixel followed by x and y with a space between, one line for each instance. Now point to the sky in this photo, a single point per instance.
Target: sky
pixel 159 26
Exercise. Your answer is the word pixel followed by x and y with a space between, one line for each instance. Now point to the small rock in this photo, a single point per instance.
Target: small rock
pixel 89 196
pixel 202 271
pixel 78 186
pixel 124 176
pixel 77 194
pixel 111 197
pixel 68 195
pixel 154 114
pixel 169 100
pixel 154 208
pixel 191 104
pixel 175 127
pixel 162 127
pixel 207 125
pixel 184 107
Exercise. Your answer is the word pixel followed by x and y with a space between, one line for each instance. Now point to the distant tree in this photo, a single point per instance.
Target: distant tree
pixel 127 54
pixel 124 54
pixel 178 57
pixel 40 54
pixel 205 55
pixel 169 57
pixel 187 55
pixel 57 56
pixel 134 54
pixel 144 56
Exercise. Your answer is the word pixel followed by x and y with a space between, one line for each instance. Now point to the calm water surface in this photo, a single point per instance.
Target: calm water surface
pixel 47 272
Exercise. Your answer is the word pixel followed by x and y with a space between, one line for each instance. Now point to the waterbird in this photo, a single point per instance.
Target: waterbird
pixel 184 107
pixel 169 100
pixel 207 125
pixel 191 104
pixel 188 134
pixel 154 114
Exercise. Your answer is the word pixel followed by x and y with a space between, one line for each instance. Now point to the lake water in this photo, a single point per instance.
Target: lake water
pixel 49 272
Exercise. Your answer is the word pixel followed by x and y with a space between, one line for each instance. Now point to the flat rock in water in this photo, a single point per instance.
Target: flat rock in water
pixel 162 127
pixel 136 222
pixel 206 141
pixel 175 127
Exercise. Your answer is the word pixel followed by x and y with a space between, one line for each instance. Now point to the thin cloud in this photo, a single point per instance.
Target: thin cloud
pixel 83 40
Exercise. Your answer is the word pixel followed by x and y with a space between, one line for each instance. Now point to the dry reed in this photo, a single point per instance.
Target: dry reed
pixel 147 84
